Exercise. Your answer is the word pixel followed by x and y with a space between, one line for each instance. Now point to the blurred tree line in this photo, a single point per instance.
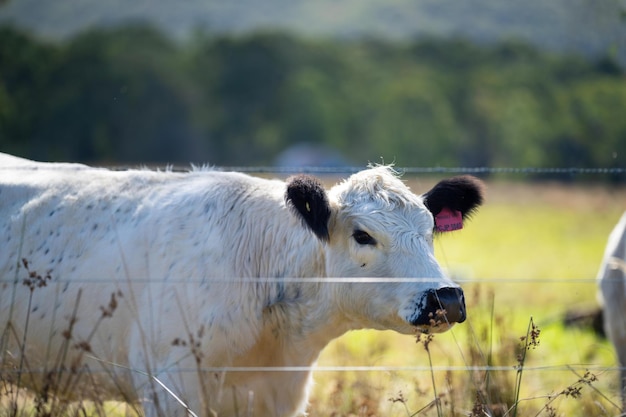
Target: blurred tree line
pixel 131 95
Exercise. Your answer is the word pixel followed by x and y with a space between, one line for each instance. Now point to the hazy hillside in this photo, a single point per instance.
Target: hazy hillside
pixel 591 27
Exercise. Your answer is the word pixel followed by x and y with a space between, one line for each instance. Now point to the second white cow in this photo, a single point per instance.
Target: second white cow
pixel 612 281
pixel 217 290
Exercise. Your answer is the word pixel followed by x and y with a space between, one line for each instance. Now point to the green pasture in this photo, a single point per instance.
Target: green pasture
pixel 532 251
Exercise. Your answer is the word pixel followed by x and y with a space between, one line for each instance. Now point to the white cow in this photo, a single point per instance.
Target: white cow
pixel 612 281
pixel 202 285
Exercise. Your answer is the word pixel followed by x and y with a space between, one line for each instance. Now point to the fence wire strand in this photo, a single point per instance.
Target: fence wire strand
pixel 327 280
pixel 431 170
pixel 345 170
pixel 347 368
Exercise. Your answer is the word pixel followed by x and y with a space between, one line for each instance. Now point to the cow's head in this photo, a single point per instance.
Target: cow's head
pixel 374 226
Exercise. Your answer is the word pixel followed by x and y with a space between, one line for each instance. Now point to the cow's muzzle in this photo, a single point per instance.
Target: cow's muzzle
pixel 442 306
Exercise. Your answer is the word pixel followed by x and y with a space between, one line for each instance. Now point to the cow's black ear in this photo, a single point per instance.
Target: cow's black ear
pixel 307 198
pixel 463 194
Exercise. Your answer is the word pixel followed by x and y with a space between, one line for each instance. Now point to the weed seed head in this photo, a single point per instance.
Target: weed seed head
pixel 35 280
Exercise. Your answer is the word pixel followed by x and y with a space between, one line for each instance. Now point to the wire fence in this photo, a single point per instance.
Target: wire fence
pixel 347 170
pixel 321 280
pixel 571 171
pixel 357 369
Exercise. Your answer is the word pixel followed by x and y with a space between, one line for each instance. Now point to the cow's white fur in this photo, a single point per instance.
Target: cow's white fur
pixel 612 294
pixel 171 247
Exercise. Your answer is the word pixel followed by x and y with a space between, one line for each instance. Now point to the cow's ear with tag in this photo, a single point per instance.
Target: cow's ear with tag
pixel 454 200
pixel 308 200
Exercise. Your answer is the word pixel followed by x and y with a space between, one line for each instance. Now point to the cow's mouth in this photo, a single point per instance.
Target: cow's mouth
pixel 436 327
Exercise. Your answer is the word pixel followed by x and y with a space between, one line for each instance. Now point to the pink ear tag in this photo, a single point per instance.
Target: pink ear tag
pixel 448 220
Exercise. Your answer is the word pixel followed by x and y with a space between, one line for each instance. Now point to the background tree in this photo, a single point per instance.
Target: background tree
pixel 132 95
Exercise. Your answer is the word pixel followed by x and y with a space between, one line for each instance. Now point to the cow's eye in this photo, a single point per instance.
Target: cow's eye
pixel 363 238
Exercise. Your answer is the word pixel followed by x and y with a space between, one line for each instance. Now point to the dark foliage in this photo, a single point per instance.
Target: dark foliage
pixel 131 95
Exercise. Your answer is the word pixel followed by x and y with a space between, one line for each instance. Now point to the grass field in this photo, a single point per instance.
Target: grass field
pixel 528 256
pixel 532 251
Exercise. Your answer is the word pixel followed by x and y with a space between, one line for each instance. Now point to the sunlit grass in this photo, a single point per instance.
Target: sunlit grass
pixel 26 407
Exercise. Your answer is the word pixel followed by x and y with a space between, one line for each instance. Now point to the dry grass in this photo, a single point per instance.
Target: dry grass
pixel 535 249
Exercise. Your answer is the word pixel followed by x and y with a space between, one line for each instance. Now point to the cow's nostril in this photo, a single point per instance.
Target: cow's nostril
pixel 452 301
pixel 444 305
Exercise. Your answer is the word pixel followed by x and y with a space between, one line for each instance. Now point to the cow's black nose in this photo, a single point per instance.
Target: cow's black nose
pixel 444 305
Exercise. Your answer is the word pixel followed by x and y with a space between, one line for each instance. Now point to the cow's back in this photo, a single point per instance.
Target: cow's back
pixel 95 254
pixel 54 214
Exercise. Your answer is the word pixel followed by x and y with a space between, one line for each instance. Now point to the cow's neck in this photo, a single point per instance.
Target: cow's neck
pixel 282 359
pixel 301 323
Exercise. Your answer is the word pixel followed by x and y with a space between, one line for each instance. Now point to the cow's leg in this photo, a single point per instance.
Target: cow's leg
pixel 623 386
pixel 162 385
pixel 619 342
pixel 160 398
pixel 620 348
pixel 614 328
pixel 170 382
